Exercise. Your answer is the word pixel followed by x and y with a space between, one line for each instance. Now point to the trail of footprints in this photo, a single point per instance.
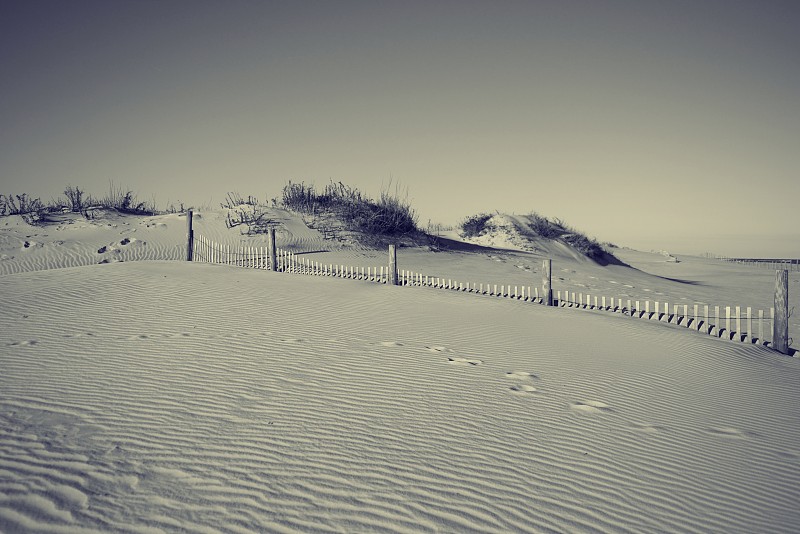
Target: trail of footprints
pixel 522 385
pixel 522 381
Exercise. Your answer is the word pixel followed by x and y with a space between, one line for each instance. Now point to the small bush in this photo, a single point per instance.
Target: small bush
pixel 78 201
pixel 255 219
pixel 20 205
pixel 122 200
pixel 474 225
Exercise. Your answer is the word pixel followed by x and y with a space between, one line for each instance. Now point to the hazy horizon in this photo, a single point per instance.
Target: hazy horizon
pixel 654 125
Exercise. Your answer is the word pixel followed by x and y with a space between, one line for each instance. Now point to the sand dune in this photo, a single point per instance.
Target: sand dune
pixel 167 396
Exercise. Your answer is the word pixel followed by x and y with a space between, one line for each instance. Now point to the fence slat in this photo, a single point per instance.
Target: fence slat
pixel 739 323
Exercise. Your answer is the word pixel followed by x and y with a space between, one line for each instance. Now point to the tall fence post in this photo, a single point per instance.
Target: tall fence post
pixel 547 282
pixel 780 332
pixel 189 236
pixel 393 265
pixel 271 250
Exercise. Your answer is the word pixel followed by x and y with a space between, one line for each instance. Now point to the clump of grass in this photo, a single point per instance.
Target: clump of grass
pixel 544 227
pixel 233 200
pixel 125 201
pixel 118 198
pixel 474 225
pixel 389 215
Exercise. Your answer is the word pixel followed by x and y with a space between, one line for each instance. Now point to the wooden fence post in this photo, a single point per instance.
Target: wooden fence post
pixel 393 265
pixel 189 236
pixel 271 249
pixel 780 332
pixel 547 282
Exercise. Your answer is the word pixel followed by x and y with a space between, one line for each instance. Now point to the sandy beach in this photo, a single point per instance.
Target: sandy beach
pixel 150 394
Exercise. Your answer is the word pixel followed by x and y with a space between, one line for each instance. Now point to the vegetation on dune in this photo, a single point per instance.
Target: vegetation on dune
pixel 336 208
pixel 554 229
pixel 544 227
pixel 20 205
pixel 249 213
pixel 475 225
pixel 389 215
pixel 117 198
pixel 75 200
pixel 557 229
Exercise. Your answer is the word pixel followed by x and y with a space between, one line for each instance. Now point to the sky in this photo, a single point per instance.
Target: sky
pixel 665 124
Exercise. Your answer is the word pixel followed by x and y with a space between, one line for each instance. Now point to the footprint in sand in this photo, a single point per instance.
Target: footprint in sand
pixel 591 407
pixel 520 375
pixel 787 455
pixel 27 343
pixel 437 349
pixel 726 432
pixel 522 389
pixel 464 361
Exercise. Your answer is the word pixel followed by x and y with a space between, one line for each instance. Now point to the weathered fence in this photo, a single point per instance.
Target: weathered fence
pixel 766 263
pixel 729 322
pixel 268 258
pixel 735 323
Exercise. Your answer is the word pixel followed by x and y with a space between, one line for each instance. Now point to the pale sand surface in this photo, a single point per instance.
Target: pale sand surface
pixel 168 396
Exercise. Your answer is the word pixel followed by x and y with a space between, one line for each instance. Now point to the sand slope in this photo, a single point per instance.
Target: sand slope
pixel 70 240
pixel 163 397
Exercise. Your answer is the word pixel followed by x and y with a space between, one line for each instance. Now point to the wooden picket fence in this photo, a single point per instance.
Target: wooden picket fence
pixel 207 251
pixel 738 323
pixel 769 264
